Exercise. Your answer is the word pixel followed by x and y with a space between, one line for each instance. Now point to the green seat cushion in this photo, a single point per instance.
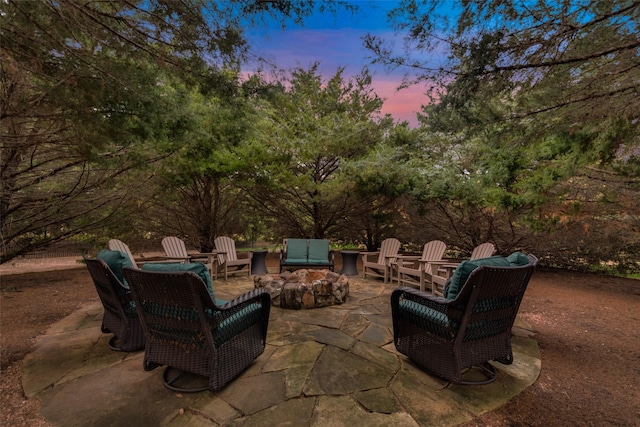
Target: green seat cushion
pixel 116 261
pixel 296 250
pixel 197 267
pixel 462 272
pixel 295 261
pixel 319 251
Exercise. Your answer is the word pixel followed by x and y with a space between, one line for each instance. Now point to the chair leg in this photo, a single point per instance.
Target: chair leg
pixel 114 344
pixel 488 370
pixel 168 382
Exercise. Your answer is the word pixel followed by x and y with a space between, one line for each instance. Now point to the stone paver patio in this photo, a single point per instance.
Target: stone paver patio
pixel 332 366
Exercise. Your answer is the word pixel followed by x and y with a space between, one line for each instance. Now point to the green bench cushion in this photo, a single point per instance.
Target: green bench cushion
pixel 296 251
pixel 318 251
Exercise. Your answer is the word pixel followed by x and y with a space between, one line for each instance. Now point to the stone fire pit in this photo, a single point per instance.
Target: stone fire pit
pixel 304 288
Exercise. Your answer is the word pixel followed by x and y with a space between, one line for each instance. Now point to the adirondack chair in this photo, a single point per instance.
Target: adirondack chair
pixel 378 264
pixel 118 245
pixel 444 269
pixel 416 270
pixel 228 257
pixel 483 250
pixel 176 250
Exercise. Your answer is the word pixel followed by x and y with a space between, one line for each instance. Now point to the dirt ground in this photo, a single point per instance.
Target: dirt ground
pixel 587 327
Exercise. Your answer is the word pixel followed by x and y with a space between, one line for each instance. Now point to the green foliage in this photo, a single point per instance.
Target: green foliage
pixel 92 90
pixel 130 119
pixel 316 128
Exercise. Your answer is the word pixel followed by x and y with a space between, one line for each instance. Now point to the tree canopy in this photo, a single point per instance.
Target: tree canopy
pixel 135 117
pixel 84 93
pixel 555 67
pixel 317 127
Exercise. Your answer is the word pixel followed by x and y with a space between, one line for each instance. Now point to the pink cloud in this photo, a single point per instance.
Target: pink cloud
pixel 402 105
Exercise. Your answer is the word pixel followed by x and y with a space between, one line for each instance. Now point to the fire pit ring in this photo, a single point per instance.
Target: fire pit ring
pixel 304 288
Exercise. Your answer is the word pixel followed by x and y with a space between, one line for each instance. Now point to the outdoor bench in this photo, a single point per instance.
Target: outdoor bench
pixel 306 253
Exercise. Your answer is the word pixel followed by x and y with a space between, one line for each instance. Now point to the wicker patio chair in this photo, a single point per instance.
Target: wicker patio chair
pixel 448 336
pixel 378 264
pixel 189 333
pixel 120 316
pixel 176 250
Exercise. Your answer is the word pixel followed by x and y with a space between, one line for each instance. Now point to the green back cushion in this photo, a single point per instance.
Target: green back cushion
pixel 116 261
pixel 318 251
pixel 518 259
pixel 197 267
pixel 461 274
pixel 297 250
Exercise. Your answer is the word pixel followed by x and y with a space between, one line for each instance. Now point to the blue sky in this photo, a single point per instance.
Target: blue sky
pixel 335 41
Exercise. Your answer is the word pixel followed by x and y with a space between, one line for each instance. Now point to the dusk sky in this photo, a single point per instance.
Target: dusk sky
pixel 336 41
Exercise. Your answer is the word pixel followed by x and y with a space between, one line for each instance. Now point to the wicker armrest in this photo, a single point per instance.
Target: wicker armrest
pixel 419 296
pixel 433 314
pixel 254 295
pixel 241 314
